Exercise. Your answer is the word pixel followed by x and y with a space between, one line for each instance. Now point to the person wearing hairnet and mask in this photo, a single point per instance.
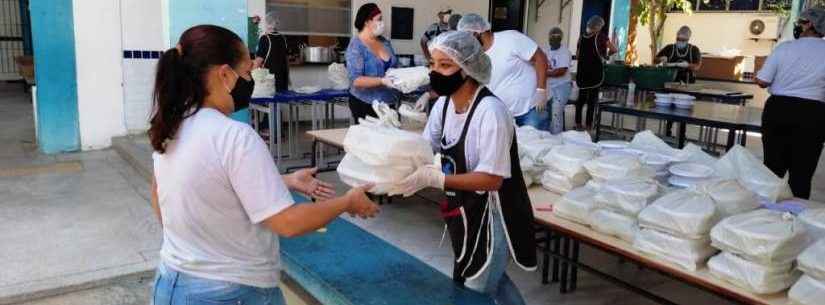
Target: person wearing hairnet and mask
pixel 519 70
pixel 558 78
pixel 369 56
pixel 487 212
pixel 793 120
pixel 425 101
pixel 272 52
pixel 682 54
pixel 594 48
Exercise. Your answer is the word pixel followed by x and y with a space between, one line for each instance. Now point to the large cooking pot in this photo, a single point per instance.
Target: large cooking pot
pixel 318 54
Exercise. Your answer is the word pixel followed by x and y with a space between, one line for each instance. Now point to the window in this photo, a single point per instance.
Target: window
pixel 713 5
pixel 768 5
pixel 744 5
pixel 700 6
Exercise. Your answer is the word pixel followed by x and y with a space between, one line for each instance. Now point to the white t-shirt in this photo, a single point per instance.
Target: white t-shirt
pixel 513 78
pixel 559 58
pixel 796 68
pixel 216 183
pixel 489 136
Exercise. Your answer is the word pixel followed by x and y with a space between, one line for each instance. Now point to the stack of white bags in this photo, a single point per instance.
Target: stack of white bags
pixel 380 153
pixel 810 289
pixel 759 248
pixel 408 80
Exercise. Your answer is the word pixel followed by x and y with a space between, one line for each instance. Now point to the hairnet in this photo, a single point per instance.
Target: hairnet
pixel 684 32
pixel 595 23
pixel 817 18
pixel 556 31
pixel 454 19
pixel 269 24
pixel 463 48
pixel 473 23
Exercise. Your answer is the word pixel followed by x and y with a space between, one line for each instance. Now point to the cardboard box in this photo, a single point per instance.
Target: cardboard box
pixel 721 68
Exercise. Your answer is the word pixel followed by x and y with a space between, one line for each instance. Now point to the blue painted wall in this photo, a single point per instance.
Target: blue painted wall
pixel 621 22
pixel 56 75
pixel 232 15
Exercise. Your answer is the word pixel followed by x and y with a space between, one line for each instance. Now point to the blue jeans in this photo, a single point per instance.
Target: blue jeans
pixel 176 288
pixel 494 281
pixel 559 96
pixel 538 119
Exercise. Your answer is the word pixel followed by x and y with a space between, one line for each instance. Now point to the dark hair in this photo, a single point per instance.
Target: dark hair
pixel 453 22
pixel 180 84
pixel 364 14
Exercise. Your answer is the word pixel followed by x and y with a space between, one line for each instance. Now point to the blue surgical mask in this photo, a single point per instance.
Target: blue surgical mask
pixel 681 44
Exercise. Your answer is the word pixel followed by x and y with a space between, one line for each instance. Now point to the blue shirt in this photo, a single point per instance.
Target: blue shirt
pixel 361 62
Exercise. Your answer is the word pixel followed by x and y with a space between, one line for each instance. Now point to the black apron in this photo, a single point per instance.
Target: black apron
pixel 468 214
pixel 590 71
pixel 276 60
pixel 684 75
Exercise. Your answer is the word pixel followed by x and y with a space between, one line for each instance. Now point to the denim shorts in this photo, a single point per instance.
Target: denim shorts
pixel 176 288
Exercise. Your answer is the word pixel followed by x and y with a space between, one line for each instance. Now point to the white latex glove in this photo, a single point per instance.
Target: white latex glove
pixel 421 103
pixel 387 82
pixel 683 64
pixel 540 99
pixel 424 177
pixel 663 60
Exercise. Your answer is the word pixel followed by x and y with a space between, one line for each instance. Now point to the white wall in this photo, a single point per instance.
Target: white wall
pixel 256 8
pixel 99 72
pixel 548 17
pixel 142 29
pixel 425 14
pixel 711 33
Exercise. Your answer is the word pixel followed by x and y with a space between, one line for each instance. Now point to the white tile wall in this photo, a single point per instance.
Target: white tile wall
pixel 138 82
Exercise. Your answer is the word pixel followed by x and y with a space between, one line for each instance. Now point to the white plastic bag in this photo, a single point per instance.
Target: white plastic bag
pixel 338 75
pixel 730 196
pixel 536 149
pixel 814 221
pixel 576 205
pixel 807 291
pixel 411 119
pixel 687 253
pixel 568 159
pixel 627 197
pixel 264 83
pixel 757 278
pixel 682 213
pixel 355 173
pixel 742 165
pixel 529 133
pixel 377 145
pixel 763 236
pixel 812 260
pixel 648 142
pixel 558 183
pixel 695 154
pixel 614 224
pixel 408 80
pixel 613 166
pixel 581 138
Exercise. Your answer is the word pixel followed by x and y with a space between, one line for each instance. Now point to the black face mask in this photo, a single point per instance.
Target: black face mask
pixel 242 93
pixel 555 44
pixel 446 85
pixel 797 31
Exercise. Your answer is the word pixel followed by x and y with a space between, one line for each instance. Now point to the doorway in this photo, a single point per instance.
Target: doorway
pixel 17 130
pixel 508 14
pixel 592 8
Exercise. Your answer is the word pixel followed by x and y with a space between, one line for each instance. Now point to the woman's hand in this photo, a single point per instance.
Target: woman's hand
pixel 358 204
pixel 305 182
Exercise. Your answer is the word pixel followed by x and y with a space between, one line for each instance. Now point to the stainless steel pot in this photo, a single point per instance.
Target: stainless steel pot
pixel 318 54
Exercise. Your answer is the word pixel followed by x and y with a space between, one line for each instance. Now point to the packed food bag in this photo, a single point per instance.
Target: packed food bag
pixel 814 221
pixel 695 154
pixel 559 183
pixel 412 119
pixel 730 196
pixel 738 163
pixel 569 159
pixel 264 83
pixel 576 205
pixel 356 173
pixel 611 223
pixel 812 260
pixel 687 253
pixel 681 213
pixel 807 291
pixel 529 133
pixel 627 197
pixel 648 142
pixel 613 166
pixel 763 236
pixel 580 138
pixel 754 277
pixel 338 75
pixel 408 80
pixel 537 149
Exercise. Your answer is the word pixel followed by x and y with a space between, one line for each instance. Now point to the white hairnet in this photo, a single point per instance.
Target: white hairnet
pixel 474 23
pixel 269 24
pixel 595 23
pixel 463 48
pixel 684 32
pixel 817 18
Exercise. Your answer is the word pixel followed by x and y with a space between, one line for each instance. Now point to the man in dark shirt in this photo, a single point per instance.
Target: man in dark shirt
pixel 682 55
pixel 443 25
pixel 272 53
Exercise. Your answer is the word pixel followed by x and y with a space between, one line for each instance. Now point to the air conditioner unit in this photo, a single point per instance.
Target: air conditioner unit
pixel 764 27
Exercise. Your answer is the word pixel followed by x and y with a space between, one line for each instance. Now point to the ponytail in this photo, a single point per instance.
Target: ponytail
pixel 180 83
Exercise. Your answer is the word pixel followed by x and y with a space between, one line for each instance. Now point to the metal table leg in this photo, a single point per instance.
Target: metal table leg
pixel 275 131
pixel 574 271
pixel 545 267
pixel 565 252
pixel 556 250
pixel 682 135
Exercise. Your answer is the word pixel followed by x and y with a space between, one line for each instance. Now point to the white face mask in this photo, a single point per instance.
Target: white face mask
pixel 378 29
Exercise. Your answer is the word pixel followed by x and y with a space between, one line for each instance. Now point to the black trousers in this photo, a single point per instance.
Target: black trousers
pixel 589 97
pixel 360 109
pixel 793 132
